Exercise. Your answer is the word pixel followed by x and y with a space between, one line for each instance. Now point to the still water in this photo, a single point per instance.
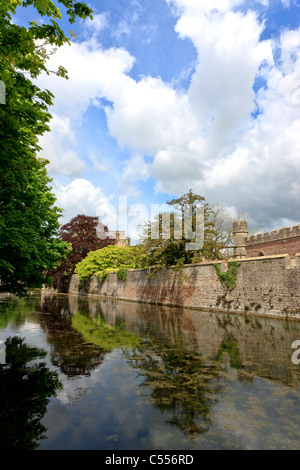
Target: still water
pixel 102 374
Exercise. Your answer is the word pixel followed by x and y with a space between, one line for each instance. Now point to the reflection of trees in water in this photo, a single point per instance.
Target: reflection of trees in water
pixel 230 346
pixel 97 331
pixel 16 310
pixel 71 353
pixel 25 390
pixel 181 383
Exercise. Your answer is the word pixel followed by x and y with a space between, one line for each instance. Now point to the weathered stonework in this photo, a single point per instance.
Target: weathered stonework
pixel 266 286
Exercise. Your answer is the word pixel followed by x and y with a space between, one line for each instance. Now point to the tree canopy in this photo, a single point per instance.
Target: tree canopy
pixel 112 258
pixel 165 239
pixel 167 242
pixel 81 234
pixel 29 218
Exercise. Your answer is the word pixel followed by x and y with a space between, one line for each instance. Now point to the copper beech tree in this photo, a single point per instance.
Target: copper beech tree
pixel 84 234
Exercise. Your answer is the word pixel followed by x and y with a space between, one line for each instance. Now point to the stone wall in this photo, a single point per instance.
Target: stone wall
pixel 266 286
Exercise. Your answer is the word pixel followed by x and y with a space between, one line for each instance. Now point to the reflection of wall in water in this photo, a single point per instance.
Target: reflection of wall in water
pixel 264 344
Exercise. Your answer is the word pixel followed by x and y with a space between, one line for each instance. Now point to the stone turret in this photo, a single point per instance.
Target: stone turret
pixel 121 239
pixel 240 234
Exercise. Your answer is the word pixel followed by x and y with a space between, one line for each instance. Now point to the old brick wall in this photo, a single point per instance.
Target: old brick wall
pixel 278 242
pixel 290 246
pixel 265 286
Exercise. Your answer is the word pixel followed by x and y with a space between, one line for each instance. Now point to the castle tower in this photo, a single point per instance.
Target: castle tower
pixel 240 233
pixel 121 239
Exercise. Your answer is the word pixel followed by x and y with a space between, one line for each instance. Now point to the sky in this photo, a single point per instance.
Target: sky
pixel 165 96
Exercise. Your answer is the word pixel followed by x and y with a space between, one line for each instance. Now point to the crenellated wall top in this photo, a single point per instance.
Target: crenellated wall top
pixel 281 234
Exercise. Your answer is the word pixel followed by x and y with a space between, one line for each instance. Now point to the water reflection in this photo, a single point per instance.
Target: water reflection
pixel 98 332
pixel 25 391
pixel 16 311
pixel 70 352
pixel 256 346
pixel 182 356
pixel 179 382
pixel 142 376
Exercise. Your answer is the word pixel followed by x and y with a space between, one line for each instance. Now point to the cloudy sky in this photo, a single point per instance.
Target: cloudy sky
pixel 167 95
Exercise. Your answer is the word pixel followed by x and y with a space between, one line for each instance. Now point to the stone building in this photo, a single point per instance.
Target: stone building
pixel 283 241
pixel 121 239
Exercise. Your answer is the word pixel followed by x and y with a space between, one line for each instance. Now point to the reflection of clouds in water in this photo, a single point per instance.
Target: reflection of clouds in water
pixel 57 424
pixel 114 412
pixel 110 406
pixel 75 388
pixel 32 325
pixel 105 404
pixel 73 395
pixel 113 375
pixel 34 334
pixel 108 409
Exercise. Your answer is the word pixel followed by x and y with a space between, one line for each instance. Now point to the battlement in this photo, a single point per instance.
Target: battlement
pixel 282 234
pixel 240 227
pixel 283 241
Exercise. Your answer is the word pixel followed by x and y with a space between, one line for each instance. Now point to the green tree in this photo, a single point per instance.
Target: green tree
pixel 108 259
pixel 165 239
pixel 29 219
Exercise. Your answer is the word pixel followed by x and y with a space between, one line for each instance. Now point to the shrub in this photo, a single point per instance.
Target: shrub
pixel 111 258
pixel 122 274
pixel 229 278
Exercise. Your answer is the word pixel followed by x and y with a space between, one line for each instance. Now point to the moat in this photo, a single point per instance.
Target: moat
pixel 88 373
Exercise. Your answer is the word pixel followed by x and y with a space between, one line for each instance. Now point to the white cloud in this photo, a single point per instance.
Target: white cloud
pixel 286 3
pixel 229 57
pixel 96 25
pixel 134 169
pixel 82 197
pixel 148 115
pixel 258 160
pixel 98 162
pixel 58 147
pixel 92 72
pixel 204 138
pixel 123 29
pixel 129 23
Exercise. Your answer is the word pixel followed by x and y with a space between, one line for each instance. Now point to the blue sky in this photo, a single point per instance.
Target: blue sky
pixel 167 95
